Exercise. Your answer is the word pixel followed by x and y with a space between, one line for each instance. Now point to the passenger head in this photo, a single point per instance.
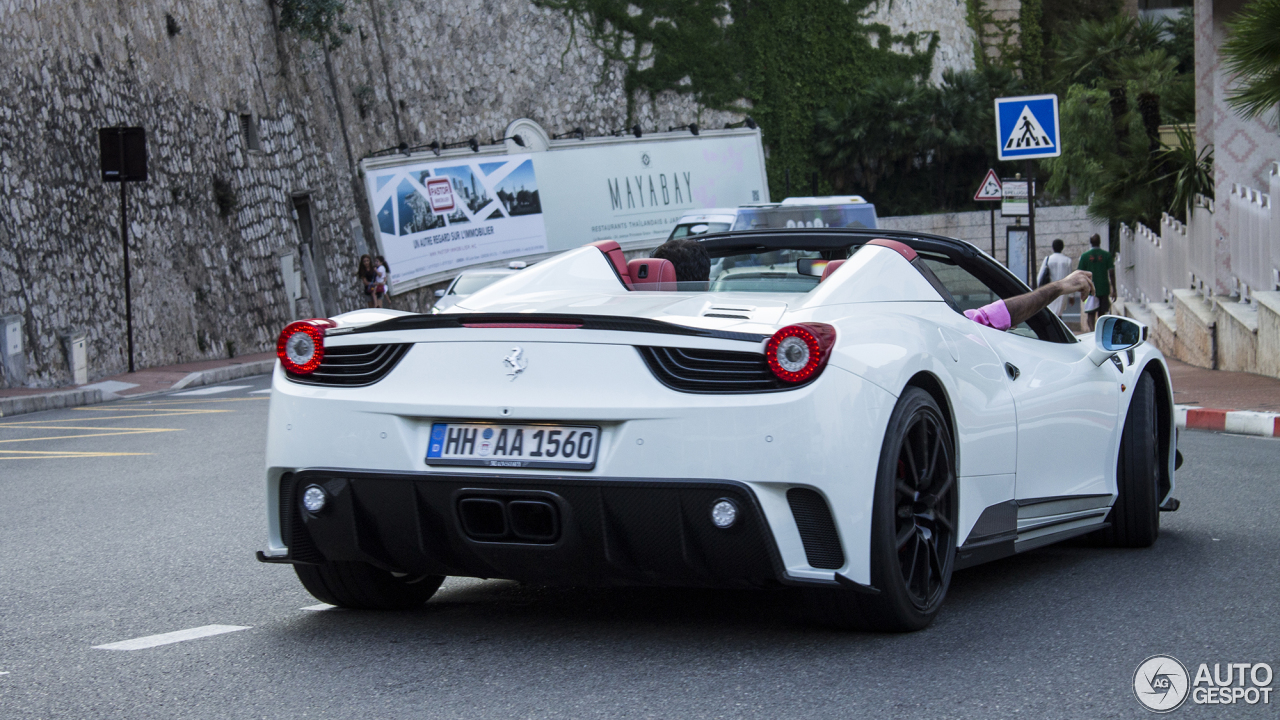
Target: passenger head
pixel 1057 246
pixel 690 259
pixel 1096 240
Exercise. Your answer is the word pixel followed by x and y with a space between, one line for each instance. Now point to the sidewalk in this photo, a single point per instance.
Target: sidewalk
pixel 1225 401
pixel 17 401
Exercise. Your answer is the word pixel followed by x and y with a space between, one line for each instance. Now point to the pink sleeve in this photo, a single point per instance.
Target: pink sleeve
pixel 995 315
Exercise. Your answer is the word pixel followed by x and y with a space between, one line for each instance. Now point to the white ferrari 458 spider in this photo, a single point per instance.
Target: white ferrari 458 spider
pixel 819 414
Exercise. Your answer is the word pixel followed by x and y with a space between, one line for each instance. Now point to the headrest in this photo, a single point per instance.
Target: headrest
pixel 652 274
pixel 613 252
pixel 831 267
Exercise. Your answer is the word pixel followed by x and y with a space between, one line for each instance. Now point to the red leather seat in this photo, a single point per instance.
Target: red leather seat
pixel 613 252
pixel 652 274
pixel 831 267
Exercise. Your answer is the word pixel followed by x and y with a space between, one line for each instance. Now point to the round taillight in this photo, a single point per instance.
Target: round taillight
pixel 300 347
pixel 797 353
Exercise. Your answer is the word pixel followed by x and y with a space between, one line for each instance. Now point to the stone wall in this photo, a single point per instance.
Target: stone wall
pixel 1069 223
pixel 948 19
pixel 207 276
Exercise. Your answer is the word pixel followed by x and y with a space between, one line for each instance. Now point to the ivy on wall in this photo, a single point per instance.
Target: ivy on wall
pixel 658 45
pixel 317 20
pixel 781 60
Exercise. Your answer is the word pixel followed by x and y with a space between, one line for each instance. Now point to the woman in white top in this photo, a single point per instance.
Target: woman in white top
pixel 382 280
pixel 1057 266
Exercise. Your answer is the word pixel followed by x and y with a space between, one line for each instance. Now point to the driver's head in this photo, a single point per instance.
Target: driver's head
pixel 690 259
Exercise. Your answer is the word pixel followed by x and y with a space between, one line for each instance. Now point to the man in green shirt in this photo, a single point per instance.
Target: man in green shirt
pixel 1103 268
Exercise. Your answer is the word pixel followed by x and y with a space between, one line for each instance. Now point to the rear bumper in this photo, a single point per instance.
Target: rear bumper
pixel 604 531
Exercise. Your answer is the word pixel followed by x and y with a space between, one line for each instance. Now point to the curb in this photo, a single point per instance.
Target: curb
pixel 1241 422
pixel 223 374
pixel 24 404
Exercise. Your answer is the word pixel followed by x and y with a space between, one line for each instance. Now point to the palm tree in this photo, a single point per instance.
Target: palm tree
pixel 1253 52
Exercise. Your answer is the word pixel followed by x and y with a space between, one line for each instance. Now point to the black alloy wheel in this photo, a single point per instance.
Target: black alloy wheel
pixel 913 527
pixel 924 509
pixel 1135 517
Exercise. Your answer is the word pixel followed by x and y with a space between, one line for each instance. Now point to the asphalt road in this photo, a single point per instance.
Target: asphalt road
pixel 132 519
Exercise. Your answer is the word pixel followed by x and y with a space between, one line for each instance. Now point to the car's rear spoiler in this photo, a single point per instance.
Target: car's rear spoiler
pixel 547 320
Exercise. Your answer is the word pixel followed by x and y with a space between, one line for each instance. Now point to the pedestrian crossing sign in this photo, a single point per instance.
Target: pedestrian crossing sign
pixel 1027 127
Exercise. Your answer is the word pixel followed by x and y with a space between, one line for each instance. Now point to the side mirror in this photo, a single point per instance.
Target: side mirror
pixel 1114 334
pixel 440 292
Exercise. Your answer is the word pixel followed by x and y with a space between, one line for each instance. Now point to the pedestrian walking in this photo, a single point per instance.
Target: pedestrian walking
pixel 1103 267
pixel 1054 268
pixel 366 278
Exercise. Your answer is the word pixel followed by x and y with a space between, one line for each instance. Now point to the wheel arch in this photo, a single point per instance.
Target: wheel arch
pixel 931 384
pixel 1165 417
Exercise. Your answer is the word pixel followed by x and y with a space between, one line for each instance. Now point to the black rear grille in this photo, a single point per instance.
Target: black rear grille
pixel 711 371
pixel 817 529
pixel 292 531
pixel 354 365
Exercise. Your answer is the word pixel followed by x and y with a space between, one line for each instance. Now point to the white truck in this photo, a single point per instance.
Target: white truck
pixel 439 209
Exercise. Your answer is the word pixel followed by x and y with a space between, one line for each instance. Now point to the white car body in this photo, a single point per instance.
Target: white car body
pixel 1035 455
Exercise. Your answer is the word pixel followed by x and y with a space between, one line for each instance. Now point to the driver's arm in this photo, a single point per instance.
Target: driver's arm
pixel 1004 314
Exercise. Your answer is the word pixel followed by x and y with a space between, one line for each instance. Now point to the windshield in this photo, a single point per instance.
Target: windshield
pixel 697 228
pixel 788 271
pixel 470 283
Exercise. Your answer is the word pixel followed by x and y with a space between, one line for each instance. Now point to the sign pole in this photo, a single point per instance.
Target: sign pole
pixel 123 156
pixel 990 190
pixel 1031 221
pixel 124 239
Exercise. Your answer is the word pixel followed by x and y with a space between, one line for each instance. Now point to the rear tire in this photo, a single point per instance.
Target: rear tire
pixel 361 586
pixel 1135 516
pixel 913 527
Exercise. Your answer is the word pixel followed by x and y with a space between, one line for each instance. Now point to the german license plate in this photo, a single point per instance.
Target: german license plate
pixel 553 447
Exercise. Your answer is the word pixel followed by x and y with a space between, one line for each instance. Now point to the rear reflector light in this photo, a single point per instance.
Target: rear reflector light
pixel 300 346
pixel 543 326
pixel 797 353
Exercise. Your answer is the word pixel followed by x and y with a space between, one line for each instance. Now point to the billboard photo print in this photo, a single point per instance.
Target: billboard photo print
pixel 436 216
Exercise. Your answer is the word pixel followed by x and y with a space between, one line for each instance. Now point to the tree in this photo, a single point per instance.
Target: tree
pixel 1252 51
pixel 1112 155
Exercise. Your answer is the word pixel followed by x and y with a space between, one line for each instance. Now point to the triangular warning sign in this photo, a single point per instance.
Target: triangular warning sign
pixel 1027 133
pixel 990 189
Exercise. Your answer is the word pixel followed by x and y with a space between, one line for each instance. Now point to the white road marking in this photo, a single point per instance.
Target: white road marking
pixel 213 390
pixel 168 638
pixel 321 606
pixel 6 672
pixel 259 392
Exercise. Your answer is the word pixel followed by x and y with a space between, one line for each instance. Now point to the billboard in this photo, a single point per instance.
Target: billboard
pixel 438 215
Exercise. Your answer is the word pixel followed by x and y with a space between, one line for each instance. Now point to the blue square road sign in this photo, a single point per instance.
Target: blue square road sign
pixel 1027 127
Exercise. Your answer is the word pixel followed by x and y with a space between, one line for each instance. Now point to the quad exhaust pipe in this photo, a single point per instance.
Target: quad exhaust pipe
pixel 509 519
